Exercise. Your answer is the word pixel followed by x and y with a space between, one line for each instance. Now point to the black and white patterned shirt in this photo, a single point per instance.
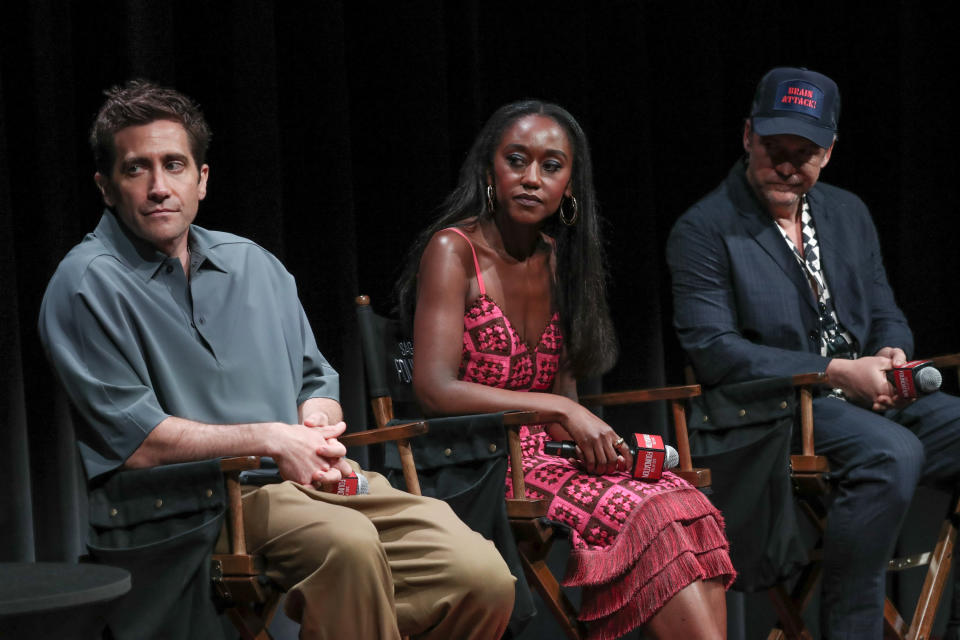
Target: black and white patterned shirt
pixel 834 339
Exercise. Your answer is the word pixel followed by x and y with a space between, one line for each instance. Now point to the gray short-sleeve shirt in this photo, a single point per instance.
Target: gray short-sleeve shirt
pixel 134 342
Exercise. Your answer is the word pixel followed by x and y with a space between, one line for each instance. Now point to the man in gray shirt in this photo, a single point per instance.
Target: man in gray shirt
pixel 177 343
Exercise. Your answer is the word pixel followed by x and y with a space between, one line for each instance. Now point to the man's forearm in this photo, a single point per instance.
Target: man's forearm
pixel 307 455
pixel 180 440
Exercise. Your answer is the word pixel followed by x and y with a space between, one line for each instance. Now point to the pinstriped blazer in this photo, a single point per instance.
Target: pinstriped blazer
pixel 743 308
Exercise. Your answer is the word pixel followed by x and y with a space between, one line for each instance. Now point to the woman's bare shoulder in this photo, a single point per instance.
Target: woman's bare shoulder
pixel 447 248
pixel 447 242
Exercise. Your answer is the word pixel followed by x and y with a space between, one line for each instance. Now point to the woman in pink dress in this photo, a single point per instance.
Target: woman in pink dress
pixel 508 288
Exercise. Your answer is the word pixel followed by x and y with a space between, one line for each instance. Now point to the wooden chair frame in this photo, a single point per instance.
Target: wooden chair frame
pixel 808 472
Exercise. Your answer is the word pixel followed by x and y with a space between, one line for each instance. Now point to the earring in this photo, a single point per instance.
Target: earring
pixel 572 220
pixel 491 206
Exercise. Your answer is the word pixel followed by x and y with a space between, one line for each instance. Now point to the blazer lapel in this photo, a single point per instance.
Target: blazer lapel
pixel 832 256
pixel 763 230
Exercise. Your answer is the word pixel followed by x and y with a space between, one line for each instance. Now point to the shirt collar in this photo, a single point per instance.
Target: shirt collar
pixel 142 257
pixel 203 250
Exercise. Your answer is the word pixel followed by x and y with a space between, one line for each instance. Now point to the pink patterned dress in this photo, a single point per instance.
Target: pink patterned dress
pixel 635 544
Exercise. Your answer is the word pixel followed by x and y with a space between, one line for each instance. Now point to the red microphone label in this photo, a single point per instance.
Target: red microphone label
pixel 903 378
pixel 348 486
pixel 648 460
pixel 903 382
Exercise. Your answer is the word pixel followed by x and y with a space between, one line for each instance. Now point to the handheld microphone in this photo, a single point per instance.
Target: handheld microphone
pixel 352 485
pixel 650 455
pixel 915 377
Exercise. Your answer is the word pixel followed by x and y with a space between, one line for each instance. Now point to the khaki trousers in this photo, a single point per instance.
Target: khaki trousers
pixel 379 565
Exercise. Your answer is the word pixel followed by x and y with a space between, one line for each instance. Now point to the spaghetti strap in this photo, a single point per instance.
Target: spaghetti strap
pixel 476 263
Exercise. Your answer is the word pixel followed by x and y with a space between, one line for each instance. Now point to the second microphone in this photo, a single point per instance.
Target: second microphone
pixel 650 455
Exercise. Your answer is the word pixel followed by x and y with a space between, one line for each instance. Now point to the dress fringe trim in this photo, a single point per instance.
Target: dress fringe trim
pixel 676 538
pixel 675 576
pixel 699 539
pixel 646 521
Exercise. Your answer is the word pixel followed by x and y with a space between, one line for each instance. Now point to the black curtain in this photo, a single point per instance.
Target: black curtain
pixel 340 125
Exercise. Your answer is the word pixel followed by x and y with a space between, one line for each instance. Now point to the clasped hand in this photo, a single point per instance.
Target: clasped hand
pixel 310 453
pixel 864 381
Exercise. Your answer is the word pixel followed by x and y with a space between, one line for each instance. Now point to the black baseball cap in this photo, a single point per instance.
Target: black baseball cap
pixel 797 101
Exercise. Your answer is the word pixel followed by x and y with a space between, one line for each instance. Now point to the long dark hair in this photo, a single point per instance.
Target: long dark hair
pixel 580 283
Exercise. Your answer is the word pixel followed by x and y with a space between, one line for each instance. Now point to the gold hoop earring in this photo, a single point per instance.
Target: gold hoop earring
pixel 491 206
pixel 572 220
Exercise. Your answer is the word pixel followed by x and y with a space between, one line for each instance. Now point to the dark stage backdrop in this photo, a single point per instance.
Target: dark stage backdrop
pixel 339 126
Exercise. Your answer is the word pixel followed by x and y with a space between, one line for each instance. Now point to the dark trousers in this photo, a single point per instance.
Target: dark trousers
pixel 878 460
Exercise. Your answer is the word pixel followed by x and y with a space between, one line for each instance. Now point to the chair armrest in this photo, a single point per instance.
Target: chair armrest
pixel 384 434
pixel 804 379
pixel 946 360
pixel 240 463
pixel 518 418
pixel 641 395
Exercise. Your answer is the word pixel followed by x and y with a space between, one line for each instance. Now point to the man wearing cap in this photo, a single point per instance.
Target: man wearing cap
pixel 775 274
